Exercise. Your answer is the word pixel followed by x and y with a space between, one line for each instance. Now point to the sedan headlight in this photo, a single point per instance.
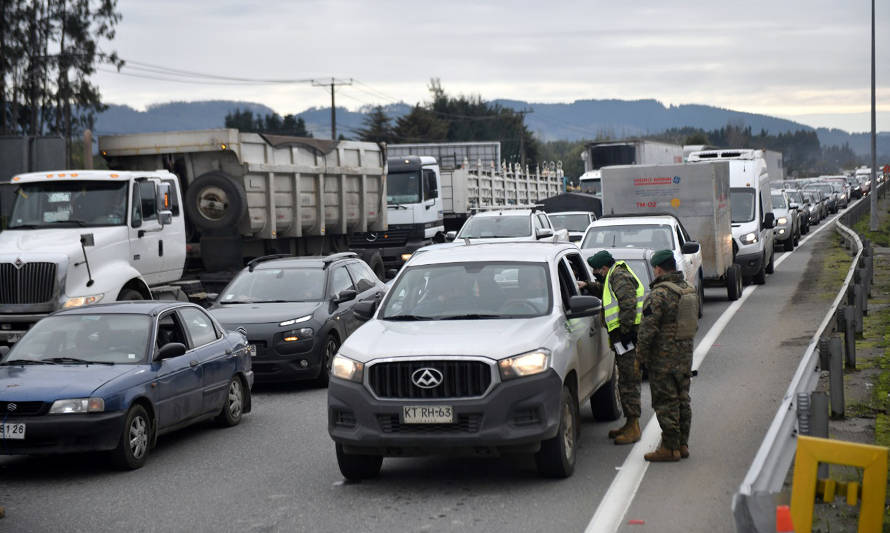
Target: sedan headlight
pixel 782 221
pixel 79 301
pixel 526 364
pixel 77 405
pixel 346 368
pixel 293 321
pixel 749 238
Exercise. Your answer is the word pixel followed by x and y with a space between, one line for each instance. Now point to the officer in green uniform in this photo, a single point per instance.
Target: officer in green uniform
pixel 622 295
pixel 670 320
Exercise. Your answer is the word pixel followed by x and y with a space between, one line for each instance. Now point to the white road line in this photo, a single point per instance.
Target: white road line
pixel 610 513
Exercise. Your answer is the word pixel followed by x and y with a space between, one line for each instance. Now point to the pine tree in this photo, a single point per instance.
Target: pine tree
pixel 377 127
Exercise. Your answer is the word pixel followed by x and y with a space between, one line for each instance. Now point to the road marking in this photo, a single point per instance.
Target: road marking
pixel 610 513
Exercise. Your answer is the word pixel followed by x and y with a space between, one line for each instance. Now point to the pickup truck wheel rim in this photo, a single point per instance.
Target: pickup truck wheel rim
pixel 568 434
pixel 235 399
pixel 138 437
pixel 212 203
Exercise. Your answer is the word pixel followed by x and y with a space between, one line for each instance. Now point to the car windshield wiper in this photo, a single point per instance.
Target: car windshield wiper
pixel 26 362
pixel 410 317
pixel 76 361
pixel 470 316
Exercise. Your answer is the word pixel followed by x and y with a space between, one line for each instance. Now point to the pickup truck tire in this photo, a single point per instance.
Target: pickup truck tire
pixel 771 266
pixel 556 458
pixel 375 261
pixel 733 282
pixel 214 201
pixel 605 402
pixel 358 467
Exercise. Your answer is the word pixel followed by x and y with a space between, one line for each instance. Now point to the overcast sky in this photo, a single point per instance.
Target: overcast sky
pixel 807 60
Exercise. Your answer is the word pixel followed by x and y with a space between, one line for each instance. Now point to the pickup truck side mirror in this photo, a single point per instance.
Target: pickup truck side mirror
pixel 690 247
pixel 769 220
pixel 171 349
pixel 581 306
pixel 4 351
pixel 543 233
pixel 450 236
pixel 364 310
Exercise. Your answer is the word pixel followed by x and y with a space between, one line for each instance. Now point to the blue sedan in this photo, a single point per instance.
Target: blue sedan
pixel 113 377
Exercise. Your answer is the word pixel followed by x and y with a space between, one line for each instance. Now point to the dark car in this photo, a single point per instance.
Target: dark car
pixel 112 377
pixel 297 311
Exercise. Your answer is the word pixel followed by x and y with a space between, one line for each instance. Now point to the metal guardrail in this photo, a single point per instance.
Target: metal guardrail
pixel 754 505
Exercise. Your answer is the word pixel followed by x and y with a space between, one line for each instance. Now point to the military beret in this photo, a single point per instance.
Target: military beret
pixel 660 257
pixel 600 259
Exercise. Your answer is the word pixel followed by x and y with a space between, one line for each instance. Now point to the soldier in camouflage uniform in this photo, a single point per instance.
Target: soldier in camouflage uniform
pixel 668 359
pixel 627 292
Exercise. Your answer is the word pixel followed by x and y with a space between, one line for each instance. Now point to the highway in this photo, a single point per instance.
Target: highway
pixel 277 471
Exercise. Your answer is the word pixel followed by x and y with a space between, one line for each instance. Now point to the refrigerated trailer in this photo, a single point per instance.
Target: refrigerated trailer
pixel 598 155
pixel 697 194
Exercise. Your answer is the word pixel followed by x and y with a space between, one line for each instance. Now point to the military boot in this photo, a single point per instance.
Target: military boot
pixel 631 434
pixel 684 451
pixel 618 431
pixel 663 455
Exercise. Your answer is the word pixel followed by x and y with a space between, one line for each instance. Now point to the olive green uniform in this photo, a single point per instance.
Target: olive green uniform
pixel 668 360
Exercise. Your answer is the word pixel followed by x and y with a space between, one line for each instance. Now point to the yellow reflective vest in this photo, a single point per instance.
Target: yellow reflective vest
pixel 610 302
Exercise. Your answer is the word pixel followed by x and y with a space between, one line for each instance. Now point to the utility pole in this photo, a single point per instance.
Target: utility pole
pixel 873 220
pixel 333 83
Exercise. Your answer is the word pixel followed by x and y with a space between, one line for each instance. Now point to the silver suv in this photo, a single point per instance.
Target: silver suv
pixel 479 350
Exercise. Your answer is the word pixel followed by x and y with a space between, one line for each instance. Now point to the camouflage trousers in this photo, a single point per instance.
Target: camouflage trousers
pixel 629 382
pixel 670 400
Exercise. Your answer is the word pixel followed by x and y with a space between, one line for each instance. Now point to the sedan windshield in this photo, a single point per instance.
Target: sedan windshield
pixel 493 227
pixel 69 203
pixel 83 339
pixel 275 285
pixel 573 222
pixel 741 205
pixel 470 291
pixel 403 188
pixel 656 237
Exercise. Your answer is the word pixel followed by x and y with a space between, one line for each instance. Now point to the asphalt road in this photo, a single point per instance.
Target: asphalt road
pixel 276 471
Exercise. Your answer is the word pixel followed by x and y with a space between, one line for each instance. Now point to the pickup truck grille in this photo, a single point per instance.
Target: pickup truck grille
pixel 460 379
pixel 464 424
pixel 31 283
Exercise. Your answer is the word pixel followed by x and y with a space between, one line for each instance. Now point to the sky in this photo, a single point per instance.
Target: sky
pixel 806 60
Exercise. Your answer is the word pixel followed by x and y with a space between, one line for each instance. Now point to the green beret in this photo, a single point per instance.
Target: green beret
pixel 660 257
pixel 600 259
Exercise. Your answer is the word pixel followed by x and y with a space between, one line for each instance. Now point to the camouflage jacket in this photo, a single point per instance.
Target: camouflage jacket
pixel 655 341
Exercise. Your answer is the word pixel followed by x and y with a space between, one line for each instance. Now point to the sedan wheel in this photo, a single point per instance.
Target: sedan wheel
pixel 233 407
pixel 132 449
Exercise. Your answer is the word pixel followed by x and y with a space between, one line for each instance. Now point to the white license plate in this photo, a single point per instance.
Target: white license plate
pixel 12 431
pixel 427 414
pixel 251 348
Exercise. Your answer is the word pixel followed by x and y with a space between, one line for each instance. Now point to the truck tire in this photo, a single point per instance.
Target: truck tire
pixel 221 254
pixel 372 257
pixel 789 243
pixel 128 294
pixel 771 266
pixel 733 282
pixel 214 201
pixel 358 467
pixel 556 458
pixel 605 403
pixel 760 277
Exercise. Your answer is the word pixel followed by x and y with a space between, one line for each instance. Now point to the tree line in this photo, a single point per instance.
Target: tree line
pixel 48 51
pixel 273 123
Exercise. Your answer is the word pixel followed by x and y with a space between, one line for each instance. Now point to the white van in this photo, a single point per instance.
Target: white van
pixel 752 210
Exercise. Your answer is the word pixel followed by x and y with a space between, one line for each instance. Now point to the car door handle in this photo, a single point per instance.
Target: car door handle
pixel 193 363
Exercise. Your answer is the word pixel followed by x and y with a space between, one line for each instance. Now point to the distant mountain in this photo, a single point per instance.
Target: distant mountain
pixel 581 119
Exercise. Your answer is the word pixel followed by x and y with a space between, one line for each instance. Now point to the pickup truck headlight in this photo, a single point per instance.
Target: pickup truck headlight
pixel 77 405
pixel 346 368
pixel 293 321
pixel 79 301
pixel 782 221
pixel 749 238
pixel 526 364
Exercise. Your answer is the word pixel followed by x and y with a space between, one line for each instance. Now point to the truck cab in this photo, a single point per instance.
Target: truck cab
pixel 77 238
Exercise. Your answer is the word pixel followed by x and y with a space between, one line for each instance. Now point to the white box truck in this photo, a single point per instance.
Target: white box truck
pixel 597 155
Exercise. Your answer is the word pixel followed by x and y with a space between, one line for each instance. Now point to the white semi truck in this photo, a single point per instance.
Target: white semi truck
pixel 222 196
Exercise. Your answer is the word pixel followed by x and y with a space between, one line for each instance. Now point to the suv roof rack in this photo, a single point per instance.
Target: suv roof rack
pixel 338 256
pixel 251 265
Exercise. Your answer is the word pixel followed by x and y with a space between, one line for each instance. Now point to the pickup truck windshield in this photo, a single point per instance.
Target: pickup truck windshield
pixel 574 222
pixel 493 227
pixel 741 205
pixel 275 285
pixel 654 236
pixel 470 291
pixel 69 204
pixel 403 188
pixel 83 339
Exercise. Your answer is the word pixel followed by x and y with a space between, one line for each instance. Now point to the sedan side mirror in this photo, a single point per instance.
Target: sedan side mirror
pixel 690 247
pixel 581 306
pixel 364 310
pixel 171 349
pixel 450 236
pixel 345 296
pixel 4 351
pixel 769 220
